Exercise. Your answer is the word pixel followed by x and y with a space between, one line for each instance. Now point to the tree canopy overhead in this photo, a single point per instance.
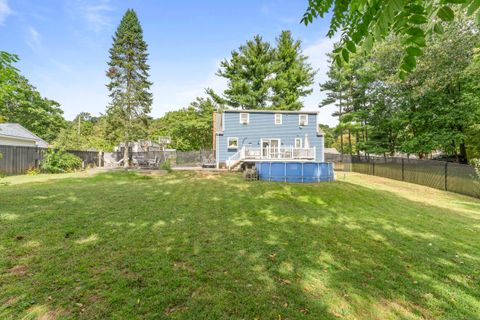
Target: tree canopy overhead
pixel 363 22
pixel 436 108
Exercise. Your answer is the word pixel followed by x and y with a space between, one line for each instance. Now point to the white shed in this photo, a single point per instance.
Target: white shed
pixel 14 134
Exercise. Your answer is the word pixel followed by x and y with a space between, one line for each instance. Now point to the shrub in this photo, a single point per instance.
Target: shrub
pixel 60 161
pixel 33 171
pixel 476 164
pixel 166 166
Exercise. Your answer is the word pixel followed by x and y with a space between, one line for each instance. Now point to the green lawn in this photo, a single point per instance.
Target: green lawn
pixel 212 246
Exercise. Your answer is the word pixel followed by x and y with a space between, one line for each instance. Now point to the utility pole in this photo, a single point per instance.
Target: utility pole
pixel 78 131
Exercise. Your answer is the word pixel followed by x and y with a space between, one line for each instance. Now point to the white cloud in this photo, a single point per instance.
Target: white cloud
pixel 96 15
pixel 33 38
pixel 5 11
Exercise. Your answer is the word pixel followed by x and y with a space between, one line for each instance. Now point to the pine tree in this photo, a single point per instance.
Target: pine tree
pixel 293 75
pixel 248 72
pixel 129 87
pixel 264 77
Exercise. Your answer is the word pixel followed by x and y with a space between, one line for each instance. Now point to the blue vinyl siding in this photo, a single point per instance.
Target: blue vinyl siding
pixel 262 125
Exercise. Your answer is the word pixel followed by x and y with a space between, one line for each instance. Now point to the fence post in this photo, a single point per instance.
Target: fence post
pixel 446 173
pixel 403 169
pixel 373 164
pixel 14 158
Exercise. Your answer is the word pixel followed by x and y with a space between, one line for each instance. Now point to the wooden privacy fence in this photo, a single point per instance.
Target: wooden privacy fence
pixel 454 177
pixel 17 160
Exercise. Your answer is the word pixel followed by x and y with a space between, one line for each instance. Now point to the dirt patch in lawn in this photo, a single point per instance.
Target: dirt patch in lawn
pixel 19 270
pixel 10 302
pixel 170 310
pixel 182 265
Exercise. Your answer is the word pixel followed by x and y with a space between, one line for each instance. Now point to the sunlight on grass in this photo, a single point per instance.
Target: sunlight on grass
pixel 218 247
pixel 429 196
pixel 9 216
pixel 88 240
pixel 159 224
pixel 242 220
pixel 32 244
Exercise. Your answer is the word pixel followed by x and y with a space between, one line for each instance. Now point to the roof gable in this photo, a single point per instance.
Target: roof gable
pixel 18 131
pixel 270 111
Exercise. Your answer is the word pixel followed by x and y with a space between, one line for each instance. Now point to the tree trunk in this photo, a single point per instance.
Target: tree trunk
pixel 463 153
pixel 126 155
pixel 350 142
pixel 340 122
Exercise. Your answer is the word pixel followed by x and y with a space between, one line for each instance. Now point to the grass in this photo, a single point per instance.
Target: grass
pixel 211 246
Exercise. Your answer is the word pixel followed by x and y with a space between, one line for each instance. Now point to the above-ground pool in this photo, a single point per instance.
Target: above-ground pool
pixel 295 171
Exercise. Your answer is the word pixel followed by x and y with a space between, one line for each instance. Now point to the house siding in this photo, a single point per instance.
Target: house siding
pixel 262 125
pixel 12 141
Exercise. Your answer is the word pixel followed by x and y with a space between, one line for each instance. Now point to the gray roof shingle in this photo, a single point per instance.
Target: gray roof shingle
pixel 17 130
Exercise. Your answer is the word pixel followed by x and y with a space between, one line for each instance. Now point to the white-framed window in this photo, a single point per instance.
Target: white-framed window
pixel 303 119
pixel 244 118
pixel 278 118
pixel 298 143
pixel 232 143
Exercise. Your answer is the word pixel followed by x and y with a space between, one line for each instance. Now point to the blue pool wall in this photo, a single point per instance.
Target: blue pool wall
pixel 302 172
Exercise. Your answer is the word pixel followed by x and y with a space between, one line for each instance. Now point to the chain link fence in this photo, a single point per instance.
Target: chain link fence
pixel 454 177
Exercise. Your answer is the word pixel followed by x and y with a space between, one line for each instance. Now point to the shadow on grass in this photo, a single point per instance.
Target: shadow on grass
pixel 190 246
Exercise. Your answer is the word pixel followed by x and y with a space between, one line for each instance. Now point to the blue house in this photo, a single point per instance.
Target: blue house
pixel 253 136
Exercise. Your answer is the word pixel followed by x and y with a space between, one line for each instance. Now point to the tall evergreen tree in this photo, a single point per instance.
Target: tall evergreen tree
pixel 248 72
pixel 129 87
pixel 264 77
pixel 293 74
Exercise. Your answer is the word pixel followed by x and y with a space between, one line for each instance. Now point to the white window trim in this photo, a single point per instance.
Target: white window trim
pixel 228 142
pixel 300 119
pixel 269 145
pixel 275 118
pixel 301 143
pixel 240 118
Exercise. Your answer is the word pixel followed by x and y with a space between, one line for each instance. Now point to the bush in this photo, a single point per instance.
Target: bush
pixel 476 164
pixel 60 161
pixel 166 166
pixel 33 171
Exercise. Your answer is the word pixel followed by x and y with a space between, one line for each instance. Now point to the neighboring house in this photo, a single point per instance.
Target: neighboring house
pixel 248 136
pixel 14 134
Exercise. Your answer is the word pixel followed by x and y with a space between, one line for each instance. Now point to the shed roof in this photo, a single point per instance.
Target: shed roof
pixel 16 130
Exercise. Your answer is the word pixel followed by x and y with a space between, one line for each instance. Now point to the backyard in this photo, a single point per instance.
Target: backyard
pixel 209 245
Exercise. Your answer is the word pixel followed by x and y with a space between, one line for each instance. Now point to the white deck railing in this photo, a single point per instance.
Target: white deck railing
pixel 247 153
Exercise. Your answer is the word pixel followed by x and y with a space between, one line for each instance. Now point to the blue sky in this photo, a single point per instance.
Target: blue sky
pixel 63 45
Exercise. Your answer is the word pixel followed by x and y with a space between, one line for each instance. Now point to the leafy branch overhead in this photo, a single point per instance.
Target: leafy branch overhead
pixel 362 22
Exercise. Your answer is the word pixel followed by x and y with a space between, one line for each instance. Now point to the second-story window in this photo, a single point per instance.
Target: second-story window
pixel 244 118
pixel 303 119
pixel 278 118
